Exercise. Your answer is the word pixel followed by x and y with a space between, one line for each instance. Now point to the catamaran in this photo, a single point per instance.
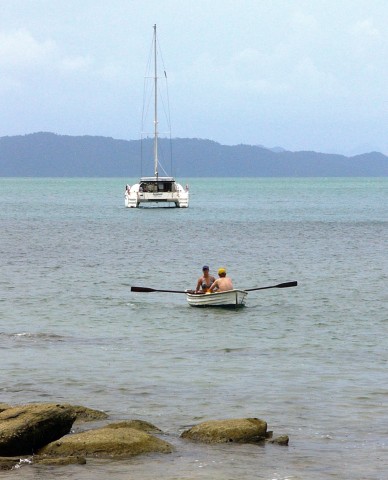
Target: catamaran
pixel 156 189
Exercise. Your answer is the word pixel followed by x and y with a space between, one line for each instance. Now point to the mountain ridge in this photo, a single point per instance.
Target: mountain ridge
pixel 46 154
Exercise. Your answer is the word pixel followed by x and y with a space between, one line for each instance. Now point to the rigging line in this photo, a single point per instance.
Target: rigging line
pixel 141 156
pixel 162 155
pixel 145 83
pixel 146 109
pixel 145 106
pixel 169 120
pixel 167 111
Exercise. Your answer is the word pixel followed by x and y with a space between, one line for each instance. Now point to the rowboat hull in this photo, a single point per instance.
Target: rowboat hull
pixel 230 298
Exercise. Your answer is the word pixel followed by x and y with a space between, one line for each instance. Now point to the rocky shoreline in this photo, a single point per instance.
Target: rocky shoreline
pixel 43 433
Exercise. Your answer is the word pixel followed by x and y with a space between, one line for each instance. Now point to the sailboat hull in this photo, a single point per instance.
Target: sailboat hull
pixel 157 190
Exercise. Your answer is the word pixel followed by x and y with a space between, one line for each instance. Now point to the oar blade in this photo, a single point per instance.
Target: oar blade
pixel 287 284
pixel 141 289
pixel 146 289
pixel 280 285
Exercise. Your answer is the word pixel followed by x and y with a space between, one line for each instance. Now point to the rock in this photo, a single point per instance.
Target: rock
pixel 240 430
pixel 25 429
pixel 85 414
pixel 280 440
pixel 4 406
pixel 137 425
pixel 59 460
pixel 120 442
pixel 7 463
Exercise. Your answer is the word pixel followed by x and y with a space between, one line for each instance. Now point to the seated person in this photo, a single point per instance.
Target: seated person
pixel 223 283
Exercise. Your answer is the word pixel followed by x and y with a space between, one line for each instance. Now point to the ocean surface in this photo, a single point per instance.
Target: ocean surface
pixel 312 361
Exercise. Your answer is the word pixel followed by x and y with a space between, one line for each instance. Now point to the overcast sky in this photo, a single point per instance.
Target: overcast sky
pixel 300 74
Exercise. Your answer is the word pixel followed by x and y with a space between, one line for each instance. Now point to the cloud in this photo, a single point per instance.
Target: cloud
pixel 366 29
pixel 303 23
pixel 20 50
pixel 75 64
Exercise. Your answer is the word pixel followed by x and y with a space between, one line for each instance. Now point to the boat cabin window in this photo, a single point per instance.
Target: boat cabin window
pixel 153 187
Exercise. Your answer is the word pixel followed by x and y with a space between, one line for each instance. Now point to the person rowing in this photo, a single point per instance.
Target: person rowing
pixel 222 284
pixel 205 281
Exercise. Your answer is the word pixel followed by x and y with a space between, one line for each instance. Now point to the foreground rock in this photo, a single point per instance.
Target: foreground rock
pixel 240 430
pixel 59 461
pixel 85 414
pixel 4 406
pixel 110 441
pixel 8 463
pixel 137 425
pixel 25 429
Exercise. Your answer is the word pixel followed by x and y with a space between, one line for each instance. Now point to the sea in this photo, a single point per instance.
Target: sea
pixel 312 360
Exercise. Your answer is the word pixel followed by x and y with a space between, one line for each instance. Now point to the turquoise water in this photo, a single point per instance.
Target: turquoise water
pixel 311 360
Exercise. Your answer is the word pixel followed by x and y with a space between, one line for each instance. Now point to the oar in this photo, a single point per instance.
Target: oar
pixel 281 285
pixel 145 289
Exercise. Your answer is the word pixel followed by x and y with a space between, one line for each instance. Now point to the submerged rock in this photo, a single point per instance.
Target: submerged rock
pixel 25 429
pixel 111 442
pixel 280 440
pixel 240 430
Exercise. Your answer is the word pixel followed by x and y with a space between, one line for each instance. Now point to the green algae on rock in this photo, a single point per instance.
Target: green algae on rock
pixel 240 430
pixel 106 442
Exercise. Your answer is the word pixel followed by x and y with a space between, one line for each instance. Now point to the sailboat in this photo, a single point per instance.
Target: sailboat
pixel 156 189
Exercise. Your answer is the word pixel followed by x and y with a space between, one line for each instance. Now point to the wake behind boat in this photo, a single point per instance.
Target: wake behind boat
pixel 156 189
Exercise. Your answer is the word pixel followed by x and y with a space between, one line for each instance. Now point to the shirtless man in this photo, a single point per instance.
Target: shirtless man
pixel 223 283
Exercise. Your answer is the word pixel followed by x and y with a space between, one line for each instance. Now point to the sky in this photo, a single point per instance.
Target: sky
pixel 296 74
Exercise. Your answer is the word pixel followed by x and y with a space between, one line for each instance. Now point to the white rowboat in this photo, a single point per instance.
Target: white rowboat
pixel 230 298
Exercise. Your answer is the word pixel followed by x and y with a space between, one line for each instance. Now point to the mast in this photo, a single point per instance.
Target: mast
pixel 155 108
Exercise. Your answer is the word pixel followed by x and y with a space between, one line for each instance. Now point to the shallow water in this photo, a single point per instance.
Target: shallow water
pixel 310 360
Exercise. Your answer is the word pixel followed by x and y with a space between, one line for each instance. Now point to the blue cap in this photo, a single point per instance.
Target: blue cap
pixel 205 267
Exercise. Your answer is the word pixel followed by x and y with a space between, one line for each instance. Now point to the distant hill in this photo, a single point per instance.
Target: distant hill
pixel 50 155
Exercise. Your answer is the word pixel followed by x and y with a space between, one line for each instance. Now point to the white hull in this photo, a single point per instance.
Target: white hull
pixel 230 298
pixel 150 190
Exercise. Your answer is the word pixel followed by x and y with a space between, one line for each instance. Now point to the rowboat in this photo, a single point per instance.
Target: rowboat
pixel 230 298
